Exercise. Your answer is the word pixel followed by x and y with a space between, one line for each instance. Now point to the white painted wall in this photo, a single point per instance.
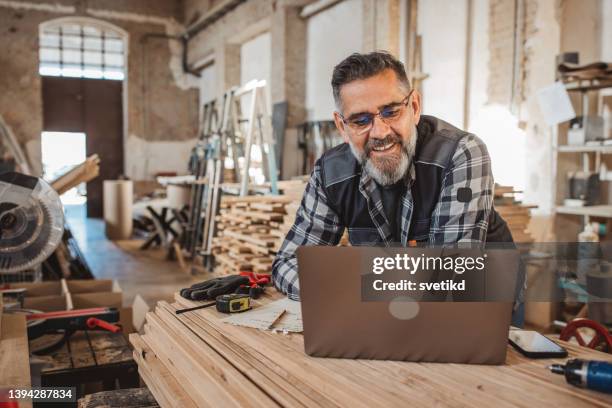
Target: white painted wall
pixel 255 60
pixel 146 158
pixel 479 59
pixel 332 35
pixel 442 25
pixel 606 30
pixel 403 31
pixel 544 45
pixel 494 124
pixel 208 84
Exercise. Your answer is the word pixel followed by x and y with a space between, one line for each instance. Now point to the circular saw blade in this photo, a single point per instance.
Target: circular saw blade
pixel 31 222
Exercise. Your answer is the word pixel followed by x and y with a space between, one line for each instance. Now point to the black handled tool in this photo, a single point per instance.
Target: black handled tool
pixel 229 303
pixel 195 308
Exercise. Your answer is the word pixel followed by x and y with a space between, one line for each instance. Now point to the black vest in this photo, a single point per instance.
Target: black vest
pixel 436 144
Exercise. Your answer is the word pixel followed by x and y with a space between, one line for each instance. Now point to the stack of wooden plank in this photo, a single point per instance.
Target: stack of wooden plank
pixel 516 214
pixel 84 172
pixel 250 230
pixel 293 188
pixel 181 370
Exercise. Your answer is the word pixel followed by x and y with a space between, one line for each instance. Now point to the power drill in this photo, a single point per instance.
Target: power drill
pixel 594 375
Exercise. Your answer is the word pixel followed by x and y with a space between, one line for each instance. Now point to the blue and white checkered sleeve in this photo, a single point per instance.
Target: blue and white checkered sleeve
pixel 315 224
pixel 464 220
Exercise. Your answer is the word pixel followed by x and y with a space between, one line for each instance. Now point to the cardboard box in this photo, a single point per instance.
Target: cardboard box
pixel 95 293
pixel 40 288
pixel 83 294
pixel 71 294
pixel 43 296
pixel 46 303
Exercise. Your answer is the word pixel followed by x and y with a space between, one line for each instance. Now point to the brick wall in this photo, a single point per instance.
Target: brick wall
pixel 160 107
pixel 501 46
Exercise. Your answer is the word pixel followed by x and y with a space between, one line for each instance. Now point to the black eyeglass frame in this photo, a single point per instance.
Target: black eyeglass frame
pixel 361 129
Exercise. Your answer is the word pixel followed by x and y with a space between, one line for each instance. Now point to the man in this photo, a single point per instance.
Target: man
pixel 399 178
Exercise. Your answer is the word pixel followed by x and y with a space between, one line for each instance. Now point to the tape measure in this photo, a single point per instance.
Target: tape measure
pixel 233 303
pixel 230 303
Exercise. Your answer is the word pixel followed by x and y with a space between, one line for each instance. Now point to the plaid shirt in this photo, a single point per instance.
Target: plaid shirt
pixel 452 221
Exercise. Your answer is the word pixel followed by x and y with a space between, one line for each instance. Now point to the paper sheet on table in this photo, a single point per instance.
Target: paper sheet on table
pixel 555 104
pixel 262 317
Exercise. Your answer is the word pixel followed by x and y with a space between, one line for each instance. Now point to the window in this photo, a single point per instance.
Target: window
pixel 81 50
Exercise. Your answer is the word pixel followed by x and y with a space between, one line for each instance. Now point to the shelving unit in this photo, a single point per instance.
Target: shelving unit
pixel 604 211
pixel 590 158
pixel 605 149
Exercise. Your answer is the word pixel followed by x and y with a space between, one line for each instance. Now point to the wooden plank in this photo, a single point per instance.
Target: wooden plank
pixel 179 256
pixel 269 207
pixel 14 148
pixel 214 377
pixel 257 199
pixel 84 172
pixel 256 248
pixel 181 375
pixel 248 238
pixel 14 354
pixel 167 391
pixel 249 365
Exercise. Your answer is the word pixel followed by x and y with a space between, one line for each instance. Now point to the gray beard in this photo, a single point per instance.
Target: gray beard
pixel 387 178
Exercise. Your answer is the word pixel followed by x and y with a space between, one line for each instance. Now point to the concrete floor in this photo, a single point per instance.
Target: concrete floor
pixel 146 272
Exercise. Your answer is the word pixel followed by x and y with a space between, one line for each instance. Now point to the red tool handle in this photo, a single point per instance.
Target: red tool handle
pixel 6 402
pixel 256 278
pixel 66 313
pixel 94 322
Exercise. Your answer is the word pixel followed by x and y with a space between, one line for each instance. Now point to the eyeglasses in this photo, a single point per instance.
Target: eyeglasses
pixel 361 123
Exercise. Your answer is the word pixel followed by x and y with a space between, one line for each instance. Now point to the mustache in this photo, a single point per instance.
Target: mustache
pixel 375 143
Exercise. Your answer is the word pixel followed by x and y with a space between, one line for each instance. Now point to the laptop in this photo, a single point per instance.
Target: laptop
pixel 339 324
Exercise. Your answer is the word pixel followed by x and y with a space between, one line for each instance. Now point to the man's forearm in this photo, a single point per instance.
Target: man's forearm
pixel 315 224
pixel 285 275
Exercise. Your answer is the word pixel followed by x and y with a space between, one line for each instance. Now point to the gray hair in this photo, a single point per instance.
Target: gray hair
pixel 361 66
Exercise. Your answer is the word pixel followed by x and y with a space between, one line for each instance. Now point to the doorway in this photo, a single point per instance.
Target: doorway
pixel 82 68
pixel 61 151
pixel 92 107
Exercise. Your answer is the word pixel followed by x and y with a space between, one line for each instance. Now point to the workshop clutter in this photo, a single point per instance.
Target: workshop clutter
pixel 65 294
pixel 61 295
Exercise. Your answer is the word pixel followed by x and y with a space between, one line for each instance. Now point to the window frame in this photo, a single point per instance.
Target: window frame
pixel 81 67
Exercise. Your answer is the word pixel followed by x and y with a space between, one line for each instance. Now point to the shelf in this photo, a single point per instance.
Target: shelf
pixel 585 149
pixel 588 85
pixel 593 210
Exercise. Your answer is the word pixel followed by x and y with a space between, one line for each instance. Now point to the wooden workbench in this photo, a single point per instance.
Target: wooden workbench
pixel 194 359
pixel 90 356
